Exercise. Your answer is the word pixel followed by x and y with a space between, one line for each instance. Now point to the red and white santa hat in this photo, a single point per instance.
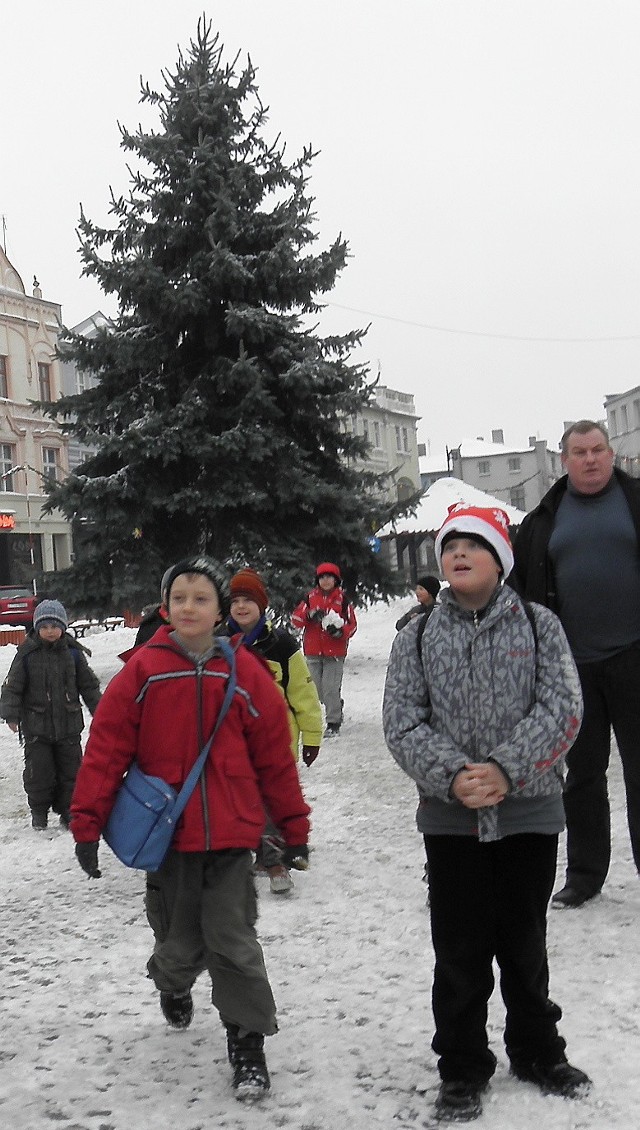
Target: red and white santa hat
pixel 488 523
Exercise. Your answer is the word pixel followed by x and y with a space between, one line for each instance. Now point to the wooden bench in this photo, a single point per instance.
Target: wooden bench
pixel 81 627
pixel 110 623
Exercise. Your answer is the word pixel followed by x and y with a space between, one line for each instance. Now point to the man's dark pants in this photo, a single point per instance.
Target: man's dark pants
pixel 611 692
pixel 490 900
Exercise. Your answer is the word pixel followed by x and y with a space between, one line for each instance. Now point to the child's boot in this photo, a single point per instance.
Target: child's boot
pixel 246 1056
pixel 39 818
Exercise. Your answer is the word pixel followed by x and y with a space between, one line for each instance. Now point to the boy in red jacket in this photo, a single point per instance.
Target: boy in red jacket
pixel 328 622
pixel 201 904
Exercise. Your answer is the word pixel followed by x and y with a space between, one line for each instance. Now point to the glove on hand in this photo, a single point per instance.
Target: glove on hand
pixel 316 615
pixel 296 857
pixel 309 753
pixel 334 630
pixel 87 856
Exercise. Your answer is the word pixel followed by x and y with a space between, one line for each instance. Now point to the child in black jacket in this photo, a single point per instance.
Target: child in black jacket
pixel 40 699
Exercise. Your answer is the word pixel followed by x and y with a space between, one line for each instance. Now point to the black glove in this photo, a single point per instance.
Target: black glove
pixel 87 856
pixel 309 753
pixel 316 615
pixel 296 857
pixel 334 630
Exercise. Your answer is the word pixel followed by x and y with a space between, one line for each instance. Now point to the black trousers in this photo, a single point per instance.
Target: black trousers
pixel 50 770
pixel 489 900
pixel 611 692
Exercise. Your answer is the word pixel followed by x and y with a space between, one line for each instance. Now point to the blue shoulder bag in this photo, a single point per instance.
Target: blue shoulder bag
pixel 143 819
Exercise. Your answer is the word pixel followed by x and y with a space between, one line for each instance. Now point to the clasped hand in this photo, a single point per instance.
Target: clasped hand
pixel 480 784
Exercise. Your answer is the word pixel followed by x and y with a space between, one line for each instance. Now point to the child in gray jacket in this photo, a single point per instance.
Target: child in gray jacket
pixel 480 716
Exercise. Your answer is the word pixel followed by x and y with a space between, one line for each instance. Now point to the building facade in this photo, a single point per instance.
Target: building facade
pixel 75 381
pixel 32 447
pixel 623 425
pixel 389 423
pixel 519 476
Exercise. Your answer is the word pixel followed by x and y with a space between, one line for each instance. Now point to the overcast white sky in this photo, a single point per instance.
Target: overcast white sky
pixel 481 158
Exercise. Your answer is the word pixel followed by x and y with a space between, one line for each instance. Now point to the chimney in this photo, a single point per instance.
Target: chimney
pixel 532 441
pixel 497 436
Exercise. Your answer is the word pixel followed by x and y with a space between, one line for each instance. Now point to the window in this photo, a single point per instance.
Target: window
pixel 376 433
pixel 81 381
pixel 7 461
pixel 636 410
pixel 405 440
pixel 50 462
pixel 517 497
pixel 484 466
pixel 44 380
pixel 625 418
pixel 4 388
pixel 614 426
pixel 398 438
pixel 515 463
pixel 365 429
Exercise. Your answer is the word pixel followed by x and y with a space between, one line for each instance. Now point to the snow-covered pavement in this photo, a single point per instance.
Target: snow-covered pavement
pixel 83 1045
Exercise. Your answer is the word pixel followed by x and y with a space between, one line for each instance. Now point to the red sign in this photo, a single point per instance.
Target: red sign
pixel 7 522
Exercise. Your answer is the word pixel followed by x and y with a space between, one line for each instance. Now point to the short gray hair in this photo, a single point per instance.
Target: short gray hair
pixel 582 428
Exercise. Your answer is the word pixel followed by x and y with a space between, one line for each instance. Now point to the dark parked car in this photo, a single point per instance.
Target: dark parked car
pixel 17 603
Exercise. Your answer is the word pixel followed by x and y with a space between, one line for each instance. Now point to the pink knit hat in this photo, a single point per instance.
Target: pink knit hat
pixel 490 524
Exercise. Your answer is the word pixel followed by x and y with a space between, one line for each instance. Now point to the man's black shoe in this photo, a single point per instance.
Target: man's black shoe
pixel 569 897
pixel 177 1009
pixel 458 1101
pixel 554 1079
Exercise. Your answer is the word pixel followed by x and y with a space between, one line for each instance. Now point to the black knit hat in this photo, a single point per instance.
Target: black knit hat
pixel 431 584
pixel 209 569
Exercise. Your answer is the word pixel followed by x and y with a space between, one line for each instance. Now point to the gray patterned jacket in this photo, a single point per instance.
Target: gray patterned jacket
pixel 483 690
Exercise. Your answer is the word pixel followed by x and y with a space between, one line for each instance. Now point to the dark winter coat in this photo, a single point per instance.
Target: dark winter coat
pixel 317 641
pixel 152 619
pixel 43 686
pixel 532 575
pixel 160 709
pixel 416 610
pixel 483 689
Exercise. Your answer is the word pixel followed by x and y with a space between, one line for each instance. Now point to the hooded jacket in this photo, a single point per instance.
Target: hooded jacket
pixel 160 709
pixel 43 687
pixel 316 640
pixel 482 689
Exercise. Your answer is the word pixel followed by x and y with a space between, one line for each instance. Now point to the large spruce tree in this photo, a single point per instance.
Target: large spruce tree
pixel 218 420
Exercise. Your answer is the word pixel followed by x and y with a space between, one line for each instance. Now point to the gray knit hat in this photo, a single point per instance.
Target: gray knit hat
pixel 50 612
pixel 209 569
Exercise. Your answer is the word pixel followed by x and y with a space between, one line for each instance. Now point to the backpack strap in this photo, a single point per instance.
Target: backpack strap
pixel 532 620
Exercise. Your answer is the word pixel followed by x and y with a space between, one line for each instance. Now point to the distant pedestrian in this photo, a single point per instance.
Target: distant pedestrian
pixel 480 719
pixel 427 589
pixel 154 616
pixel 281 650
pixel 40 699
pixel 328 622
pixel 160 709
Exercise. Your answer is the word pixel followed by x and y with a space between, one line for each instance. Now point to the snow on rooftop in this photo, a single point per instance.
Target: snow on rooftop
pixel 435 502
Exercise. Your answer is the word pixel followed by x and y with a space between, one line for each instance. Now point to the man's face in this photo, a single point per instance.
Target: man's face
pixel 588 461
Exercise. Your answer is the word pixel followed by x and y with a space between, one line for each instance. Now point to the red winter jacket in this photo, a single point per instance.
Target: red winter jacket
pixel 316 640
pixel 161 709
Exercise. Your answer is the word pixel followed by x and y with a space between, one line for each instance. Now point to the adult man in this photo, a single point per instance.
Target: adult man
pixel 578 553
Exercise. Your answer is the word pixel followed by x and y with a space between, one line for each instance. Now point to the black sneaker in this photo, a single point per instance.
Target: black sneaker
pixel 458 1101
pixel 332 730
pixel 177 1008
pixel 39 818
pixel 246 1056
pixel 555 1078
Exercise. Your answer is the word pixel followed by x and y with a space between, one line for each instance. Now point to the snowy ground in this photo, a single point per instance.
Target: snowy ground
pixel 83 1045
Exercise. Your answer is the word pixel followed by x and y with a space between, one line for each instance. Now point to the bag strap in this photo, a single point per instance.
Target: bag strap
pixel 190 783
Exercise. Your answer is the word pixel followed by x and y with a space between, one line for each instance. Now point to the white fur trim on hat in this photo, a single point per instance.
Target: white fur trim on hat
pixel 489 523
